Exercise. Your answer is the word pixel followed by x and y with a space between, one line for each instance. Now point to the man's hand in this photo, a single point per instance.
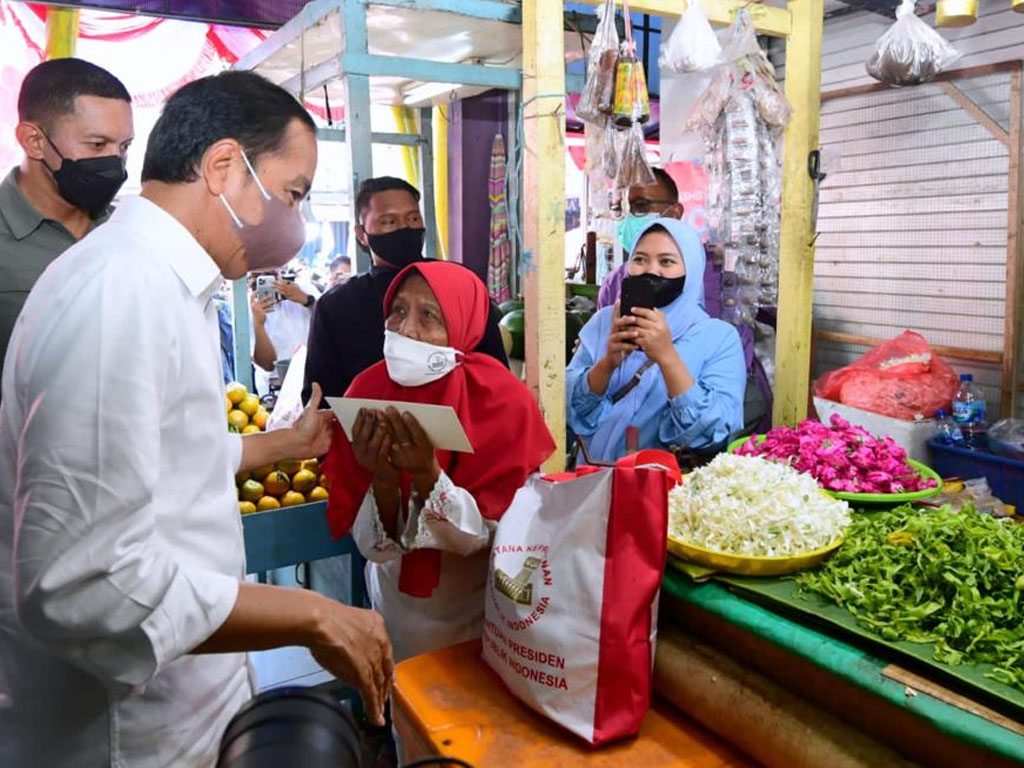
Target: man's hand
pixel 314 429
pixel 291 291
pixel 352 644
pixel 260 309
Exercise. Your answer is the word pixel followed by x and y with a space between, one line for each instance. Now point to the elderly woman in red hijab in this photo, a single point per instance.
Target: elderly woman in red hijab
pixel 422 517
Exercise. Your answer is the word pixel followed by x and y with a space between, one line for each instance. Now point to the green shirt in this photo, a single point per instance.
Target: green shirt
pixel 28 243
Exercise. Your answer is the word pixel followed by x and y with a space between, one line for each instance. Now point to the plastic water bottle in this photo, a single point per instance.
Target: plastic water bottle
pixel 970 413
pixel 946 429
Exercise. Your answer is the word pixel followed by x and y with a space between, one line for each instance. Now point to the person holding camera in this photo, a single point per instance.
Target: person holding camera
pixel 287 302
pixel 655 360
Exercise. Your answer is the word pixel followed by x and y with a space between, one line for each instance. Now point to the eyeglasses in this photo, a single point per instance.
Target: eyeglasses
pixel 643 206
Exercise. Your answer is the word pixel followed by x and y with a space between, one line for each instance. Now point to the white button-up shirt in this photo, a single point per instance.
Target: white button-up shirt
pixel 120 540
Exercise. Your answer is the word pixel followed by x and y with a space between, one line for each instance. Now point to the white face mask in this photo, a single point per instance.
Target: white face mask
pixel 413 363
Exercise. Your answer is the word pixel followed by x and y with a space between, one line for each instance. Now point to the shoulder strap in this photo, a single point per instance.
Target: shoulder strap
pixel 633 382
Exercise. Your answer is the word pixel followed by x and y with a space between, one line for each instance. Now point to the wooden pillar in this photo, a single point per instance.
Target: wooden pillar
pixel 796 261
pixel 439 128
pixel 1014 252
pixel 61 32
pixel 543 257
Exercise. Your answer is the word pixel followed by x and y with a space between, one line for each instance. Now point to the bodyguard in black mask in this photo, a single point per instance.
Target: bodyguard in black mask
pixel 75 127
pixel 346 335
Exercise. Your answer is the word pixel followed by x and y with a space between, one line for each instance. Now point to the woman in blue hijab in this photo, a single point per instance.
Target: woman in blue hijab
pixel 673 372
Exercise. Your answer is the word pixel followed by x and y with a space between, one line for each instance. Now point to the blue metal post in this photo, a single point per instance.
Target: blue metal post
pixel 241 325
pixel 427 174
pixel 358 129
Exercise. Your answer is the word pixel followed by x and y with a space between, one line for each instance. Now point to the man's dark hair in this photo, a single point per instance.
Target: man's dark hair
pixel 49 90
pixel 371 187
pixel 231 105
pixel 667 182
pixel 340 261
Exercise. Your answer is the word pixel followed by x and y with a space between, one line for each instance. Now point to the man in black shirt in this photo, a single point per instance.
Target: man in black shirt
pixel 346 335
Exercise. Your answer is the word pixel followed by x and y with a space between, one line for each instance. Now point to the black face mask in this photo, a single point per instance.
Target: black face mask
pixel 661 290
pixel 90 183
pixel 399 248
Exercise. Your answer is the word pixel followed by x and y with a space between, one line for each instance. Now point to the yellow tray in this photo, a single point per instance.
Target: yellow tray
pixel 746 565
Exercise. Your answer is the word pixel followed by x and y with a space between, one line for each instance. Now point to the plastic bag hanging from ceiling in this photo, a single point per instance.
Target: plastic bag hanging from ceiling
pixel 910 52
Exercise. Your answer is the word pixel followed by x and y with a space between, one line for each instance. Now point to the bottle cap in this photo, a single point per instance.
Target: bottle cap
pixel 966 377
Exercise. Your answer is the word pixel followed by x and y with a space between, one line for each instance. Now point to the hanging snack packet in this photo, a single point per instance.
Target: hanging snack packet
pixel 634 170
pixel 597 98
pixel 693 45
pixel 910 52
pixel 632 103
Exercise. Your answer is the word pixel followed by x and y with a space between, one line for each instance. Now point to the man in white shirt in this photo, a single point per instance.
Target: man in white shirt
pixel 124 620
pixel 287 321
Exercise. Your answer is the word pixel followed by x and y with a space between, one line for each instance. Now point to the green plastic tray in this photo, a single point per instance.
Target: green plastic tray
pixel 873 498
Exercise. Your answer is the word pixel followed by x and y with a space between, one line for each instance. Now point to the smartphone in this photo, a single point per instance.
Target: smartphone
pixel 265 288
pixel 636 293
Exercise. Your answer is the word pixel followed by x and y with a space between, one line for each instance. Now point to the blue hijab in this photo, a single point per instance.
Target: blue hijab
pixel 696 335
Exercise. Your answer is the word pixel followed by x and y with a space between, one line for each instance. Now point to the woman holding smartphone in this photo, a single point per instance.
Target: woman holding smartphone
pixel 656 360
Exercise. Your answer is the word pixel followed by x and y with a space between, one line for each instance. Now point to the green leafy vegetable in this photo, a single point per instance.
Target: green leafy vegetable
pixel 954 580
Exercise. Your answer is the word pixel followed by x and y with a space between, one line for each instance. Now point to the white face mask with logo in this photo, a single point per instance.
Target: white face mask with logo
pixel 413 363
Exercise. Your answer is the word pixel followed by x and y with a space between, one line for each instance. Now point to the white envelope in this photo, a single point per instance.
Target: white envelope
pixel 440 422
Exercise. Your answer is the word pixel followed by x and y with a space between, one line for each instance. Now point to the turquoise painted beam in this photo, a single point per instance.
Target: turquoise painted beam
pixel 240 324
pixel 427 178
pixel 491 10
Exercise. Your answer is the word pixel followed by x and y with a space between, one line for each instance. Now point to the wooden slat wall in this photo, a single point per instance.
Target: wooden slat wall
pixel 913 216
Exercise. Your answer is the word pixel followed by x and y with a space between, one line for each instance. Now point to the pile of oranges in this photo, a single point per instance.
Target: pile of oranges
pixel 284 484
pixel 245 414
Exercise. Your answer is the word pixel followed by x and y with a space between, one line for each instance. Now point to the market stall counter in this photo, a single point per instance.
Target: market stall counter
pixel 881 692
pixel 449 702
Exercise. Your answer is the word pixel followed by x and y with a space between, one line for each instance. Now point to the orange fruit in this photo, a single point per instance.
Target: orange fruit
pixel 325 481
pixel 237 420
pixel 260 417
pixel 303 481
pixel 230 405
pixel 249 405
pixel 318 494
pixel 289 466
pixel 263 471
pixel 251 429
pixel 313 465
pixel 268 502
pixel 277 483
pixel 236 392
pixel 246 507
pixel 251 490
pixel 292 499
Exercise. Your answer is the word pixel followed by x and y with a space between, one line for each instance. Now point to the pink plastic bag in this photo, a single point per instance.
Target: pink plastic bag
pixel 900 378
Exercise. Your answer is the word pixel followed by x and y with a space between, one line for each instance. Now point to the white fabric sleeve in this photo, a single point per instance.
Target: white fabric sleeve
pixel 92 582
pixel 449 520
pixel 371 538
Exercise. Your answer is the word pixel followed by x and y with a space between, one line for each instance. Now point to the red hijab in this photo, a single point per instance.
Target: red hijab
pixel 501 419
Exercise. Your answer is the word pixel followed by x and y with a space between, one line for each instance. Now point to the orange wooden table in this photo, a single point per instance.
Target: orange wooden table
pixel 450 703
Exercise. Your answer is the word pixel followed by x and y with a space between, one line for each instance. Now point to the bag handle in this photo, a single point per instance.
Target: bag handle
pixel 653 458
